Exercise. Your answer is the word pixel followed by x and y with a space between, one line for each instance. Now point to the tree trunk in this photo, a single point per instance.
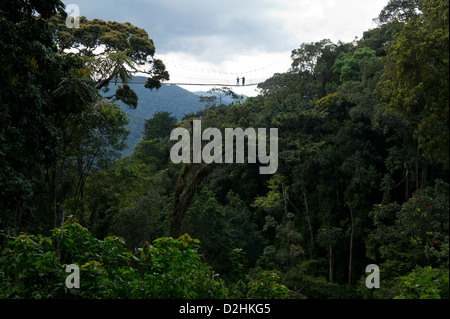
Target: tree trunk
pixel 63 217
pixel 351 246
pixel 424 177
pixel 52 195
pixel 80 170
pixel 331 263
pixel 288 240
pixel 417 169
pixel 94 213
pixel 182 200
pixel 406 183
pixel 308 218
pixel 178 215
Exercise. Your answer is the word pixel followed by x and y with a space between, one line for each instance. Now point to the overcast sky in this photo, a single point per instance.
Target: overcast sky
pixel 213 41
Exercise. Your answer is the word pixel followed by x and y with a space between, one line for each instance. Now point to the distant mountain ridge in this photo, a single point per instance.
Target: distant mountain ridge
pixel 170 98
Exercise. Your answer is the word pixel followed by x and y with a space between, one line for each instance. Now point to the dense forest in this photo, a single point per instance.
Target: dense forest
pixel 362 175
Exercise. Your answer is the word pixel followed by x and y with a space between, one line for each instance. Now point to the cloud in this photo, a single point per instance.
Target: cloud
pixel 310 21
pixel 215 29
pixel 255 66
pixel 212 30
pixel 234 35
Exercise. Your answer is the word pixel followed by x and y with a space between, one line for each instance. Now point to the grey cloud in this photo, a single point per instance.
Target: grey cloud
pixel 211 30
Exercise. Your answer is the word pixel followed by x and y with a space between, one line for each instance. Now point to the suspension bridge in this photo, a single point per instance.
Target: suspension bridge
pixel 185 74
pixel 203 81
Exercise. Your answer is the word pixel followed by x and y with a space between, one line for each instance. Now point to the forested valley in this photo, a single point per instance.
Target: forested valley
pixel 362 174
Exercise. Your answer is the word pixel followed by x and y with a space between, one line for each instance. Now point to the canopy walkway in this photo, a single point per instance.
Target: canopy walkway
pixel 204 81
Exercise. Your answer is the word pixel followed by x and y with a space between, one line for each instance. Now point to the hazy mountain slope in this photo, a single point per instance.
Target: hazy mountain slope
pixel 170 98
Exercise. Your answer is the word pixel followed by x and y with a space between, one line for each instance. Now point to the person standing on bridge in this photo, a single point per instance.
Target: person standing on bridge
pixel 243 81
pixel 237 81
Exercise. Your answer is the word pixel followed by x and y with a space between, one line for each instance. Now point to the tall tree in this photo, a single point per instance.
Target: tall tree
pixel 327 237
pixel 401 10
pixel 113 51
pixel 417 78
pixel 31 73
pixel 159 126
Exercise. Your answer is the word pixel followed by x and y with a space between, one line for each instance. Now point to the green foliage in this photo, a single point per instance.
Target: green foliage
pixel 363 127
pixel 127 95
pixel 206 221
pixel 328 236
pixel 31 268
pixel 403 10
pixel 267 286
pixel 159 126
pixel 175 270
pixel 98 135
pixel 39 89
pixel 424 283
pixel 409 86
pixel 348 65
pixel 414 234
pixel 237 261
pixel 147 220
pixel 273 201
pixel 34 267
pixel 128 199
pixel 36 264
pixel 305 279
pixel 417 231
pixel 126 47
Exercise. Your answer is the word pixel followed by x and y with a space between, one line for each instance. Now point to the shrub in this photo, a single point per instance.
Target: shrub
pixel 174 269
pixel 424 283
pixel 35 267
pixel 267 286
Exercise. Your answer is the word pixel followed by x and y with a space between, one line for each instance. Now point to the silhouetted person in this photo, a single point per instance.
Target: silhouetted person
pixel 243 81
pixel 237 81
